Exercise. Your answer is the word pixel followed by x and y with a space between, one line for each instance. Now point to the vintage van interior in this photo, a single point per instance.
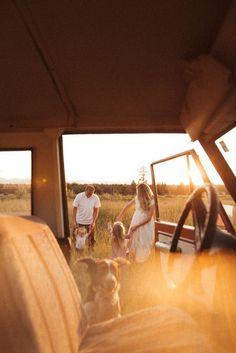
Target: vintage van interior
pixel 117 67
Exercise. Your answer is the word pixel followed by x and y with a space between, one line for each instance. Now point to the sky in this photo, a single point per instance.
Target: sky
pixel 117 158
pixel 15 164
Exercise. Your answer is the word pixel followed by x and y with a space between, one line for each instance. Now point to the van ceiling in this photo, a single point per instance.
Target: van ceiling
pixel 101 65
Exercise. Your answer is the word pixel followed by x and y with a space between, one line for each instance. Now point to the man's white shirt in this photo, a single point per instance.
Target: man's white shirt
pixel 85 207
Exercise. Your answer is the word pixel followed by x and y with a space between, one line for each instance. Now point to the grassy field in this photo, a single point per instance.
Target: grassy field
pixel 111 207
pixel 135 293
pixel 11 204
pixel 140 283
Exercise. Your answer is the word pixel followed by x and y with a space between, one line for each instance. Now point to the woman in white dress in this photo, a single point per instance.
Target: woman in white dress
pixel 142 223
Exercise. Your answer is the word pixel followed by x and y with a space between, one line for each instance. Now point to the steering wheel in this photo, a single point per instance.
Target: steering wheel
pixel 204 217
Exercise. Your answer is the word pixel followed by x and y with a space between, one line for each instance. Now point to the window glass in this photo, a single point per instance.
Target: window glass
pixel 15 182
pixel 173 179
pixel 227 146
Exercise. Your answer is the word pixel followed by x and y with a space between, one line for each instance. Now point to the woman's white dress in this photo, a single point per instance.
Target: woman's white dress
pixel 143 238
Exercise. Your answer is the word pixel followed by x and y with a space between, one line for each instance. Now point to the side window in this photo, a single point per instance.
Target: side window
pixel 174 178
pixel 15 182
pixel 227 146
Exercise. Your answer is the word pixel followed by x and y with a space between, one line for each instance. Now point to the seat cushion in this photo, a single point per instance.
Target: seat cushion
pixel 40 305
pixel 154 330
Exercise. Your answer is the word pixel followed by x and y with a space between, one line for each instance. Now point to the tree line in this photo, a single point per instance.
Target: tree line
pixel 130 189
pixel 123 189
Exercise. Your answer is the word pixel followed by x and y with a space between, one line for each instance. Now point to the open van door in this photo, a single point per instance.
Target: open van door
pixel 174 179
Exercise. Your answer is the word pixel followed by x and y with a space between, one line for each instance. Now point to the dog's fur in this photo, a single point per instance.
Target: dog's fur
pixel 103 302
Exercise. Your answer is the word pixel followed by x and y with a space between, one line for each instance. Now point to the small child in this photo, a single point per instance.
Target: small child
pixel 118 240
pixel 81 236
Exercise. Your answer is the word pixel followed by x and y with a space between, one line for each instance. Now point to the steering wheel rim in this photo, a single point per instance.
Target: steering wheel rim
pixel 204 218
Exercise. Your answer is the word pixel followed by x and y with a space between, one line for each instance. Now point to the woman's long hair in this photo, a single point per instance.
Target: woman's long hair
pixel 145 195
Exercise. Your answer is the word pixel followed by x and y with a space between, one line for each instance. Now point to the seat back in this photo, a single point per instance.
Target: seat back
pixel 40 305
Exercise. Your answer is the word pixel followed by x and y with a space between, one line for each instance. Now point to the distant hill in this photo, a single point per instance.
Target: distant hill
pixel 15 181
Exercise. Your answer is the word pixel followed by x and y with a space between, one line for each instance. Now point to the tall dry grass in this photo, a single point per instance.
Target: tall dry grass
pixel 107 213
pixel 141 284
pixel 134 295
pixel 13 205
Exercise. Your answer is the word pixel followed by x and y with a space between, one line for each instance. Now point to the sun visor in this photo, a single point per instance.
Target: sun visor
pixel 209 87
pixel 224 118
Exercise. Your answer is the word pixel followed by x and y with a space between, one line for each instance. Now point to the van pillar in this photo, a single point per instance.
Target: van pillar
pixel 54 134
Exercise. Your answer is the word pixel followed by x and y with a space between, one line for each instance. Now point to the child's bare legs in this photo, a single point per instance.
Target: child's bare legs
pixel 80 252
pixel 130 251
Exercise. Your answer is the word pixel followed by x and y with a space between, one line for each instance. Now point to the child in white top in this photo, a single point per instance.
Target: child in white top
pixel 81 236
pixel 118 240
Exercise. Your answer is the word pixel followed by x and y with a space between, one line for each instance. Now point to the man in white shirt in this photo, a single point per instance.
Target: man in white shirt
pixel 85 212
